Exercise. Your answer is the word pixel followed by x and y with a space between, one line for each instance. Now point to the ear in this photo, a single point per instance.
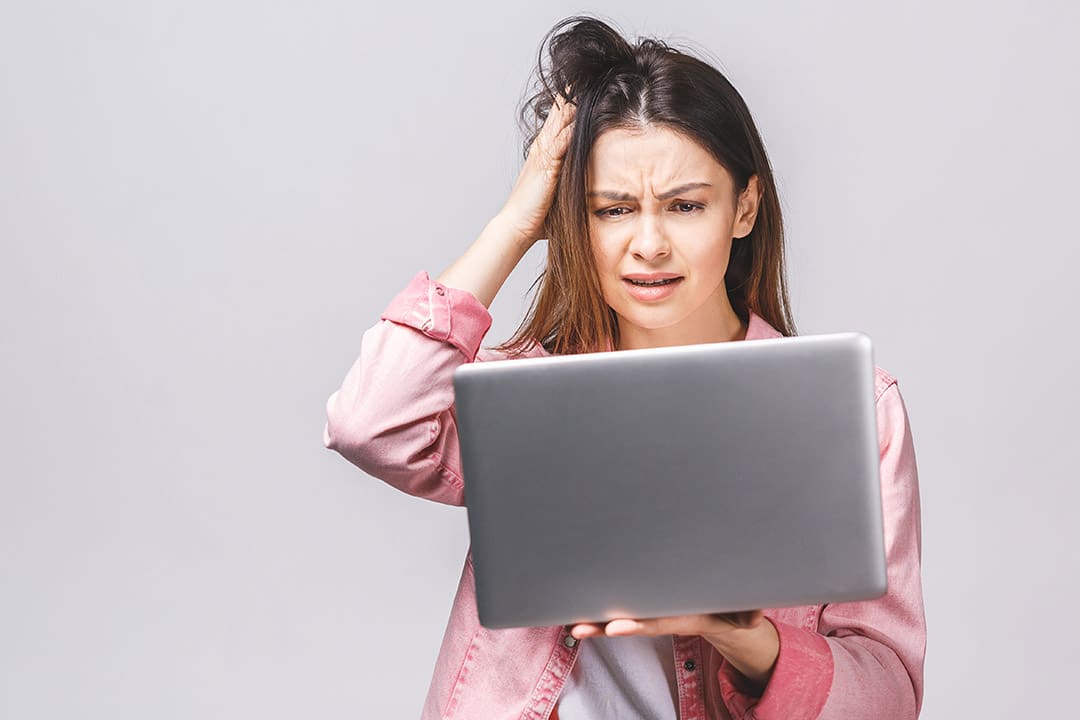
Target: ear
pixel 746 209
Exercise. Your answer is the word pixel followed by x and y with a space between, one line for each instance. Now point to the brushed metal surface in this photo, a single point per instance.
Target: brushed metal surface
pixel 644 483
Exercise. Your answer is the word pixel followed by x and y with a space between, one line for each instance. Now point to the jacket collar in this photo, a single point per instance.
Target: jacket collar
pixel 758 329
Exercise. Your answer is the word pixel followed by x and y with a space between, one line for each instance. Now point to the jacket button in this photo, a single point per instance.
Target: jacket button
pixel 439 290
pixel 569 641
pixel 689 665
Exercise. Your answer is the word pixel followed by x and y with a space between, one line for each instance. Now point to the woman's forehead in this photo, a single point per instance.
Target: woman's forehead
pixel 653 153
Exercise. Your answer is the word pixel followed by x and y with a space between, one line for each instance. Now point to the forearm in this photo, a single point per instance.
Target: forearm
pixel 484 266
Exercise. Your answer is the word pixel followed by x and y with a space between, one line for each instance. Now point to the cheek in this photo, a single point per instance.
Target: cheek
pixel 602 254
pixel 719 248
pixel 711 260
pixel 607 269
pixel 722 252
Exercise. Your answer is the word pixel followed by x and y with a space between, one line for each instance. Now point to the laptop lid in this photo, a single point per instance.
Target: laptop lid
pixel 670 481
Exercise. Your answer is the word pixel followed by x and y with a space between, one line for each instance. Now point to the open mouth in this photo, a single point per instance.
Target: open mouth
pixel 652 287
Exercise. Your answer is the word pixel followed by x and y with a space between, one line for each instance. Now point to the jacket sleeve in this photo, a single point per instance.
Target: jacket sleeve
pixel 392 416
pixel 866 658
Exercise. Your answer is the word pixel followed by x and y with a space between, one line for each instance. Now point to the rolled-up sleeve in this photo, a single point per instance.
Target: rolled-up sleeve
pixel 442 313
pixel 392 416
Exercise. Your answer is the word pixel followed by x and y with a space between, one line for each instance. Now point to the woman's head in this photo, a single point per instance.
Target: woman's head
pixel 650 119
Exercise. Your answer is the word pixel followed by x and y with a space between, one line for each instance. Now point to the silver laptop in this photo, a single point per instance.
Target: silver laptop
pixel 668 481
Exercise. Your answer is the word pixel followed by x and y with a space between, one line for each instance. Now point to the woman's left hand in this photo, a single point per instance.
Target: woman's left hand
pixel 746 639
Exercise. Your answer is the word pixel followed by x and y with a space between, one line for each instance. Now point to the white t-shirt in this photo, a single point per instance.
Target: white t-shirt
pixel 622 677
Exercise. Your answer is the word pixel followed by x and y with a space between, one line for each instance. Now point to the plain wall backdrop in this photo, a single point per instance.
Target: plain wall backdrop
pixel 204 204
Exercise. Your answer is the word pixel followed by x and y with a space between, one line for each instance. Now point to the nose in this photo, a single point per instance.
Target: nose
pixel 649 241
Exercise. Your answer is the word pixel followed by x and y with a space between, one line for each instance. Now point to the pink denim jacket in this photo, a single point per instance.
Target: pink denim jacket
pixel 394 418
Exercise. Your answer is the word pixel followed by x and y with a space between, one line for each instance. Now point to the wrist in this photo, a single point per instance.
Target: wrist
pixel 751 651
pixel 509 230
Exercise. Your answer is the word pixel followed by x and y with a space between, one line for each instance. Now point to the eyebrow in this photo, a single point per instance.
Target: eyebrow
pixel 627 197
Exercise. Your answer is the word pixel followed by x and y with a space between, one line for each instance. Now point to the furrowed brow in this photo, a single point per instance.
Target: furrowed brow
pixel 667 195
pixel 682 189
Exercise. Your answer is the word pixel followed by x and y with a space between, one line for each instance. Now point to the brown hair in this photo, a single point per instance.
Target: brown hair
pixel 614 85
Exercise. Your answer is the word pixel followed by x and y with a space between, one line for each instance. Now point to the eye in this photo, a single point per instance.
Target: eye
pixel 686 208
pixel 612 212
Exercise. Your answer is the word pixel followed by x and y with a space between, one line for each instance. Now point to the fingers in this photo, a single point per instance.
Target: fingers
pixel 562 140
pixel 684 624
pixel 561 106
pixel 626 626
pixel 529 203
pixel 584 630
pixel 554 137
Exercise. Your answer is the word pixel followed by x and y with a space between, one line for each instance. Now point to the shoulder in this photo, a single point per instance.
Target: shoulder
pixel 894 428
pixel 883 380
pixel 887 398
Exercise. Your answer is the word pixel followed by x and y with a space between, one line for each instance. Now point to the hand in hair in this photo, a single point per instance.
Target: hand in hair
pixel 749 643
pixel 530 199
pixel 484 267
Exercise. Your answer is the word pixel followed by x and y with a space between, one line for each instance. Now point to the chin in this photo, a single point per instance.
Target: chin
pixel 656 320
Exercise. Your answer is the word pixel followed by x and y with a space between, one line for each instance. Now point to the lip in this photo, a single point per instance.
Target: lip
pixel 651 294
pixel 650 277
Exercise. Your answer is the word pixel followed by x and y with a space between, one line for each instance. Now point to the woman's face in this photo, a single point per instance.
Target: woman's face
pixel 662 216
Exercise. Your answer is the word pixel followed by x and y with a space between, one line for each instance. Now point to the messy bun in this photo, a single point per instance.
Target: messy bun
pixel 618 84
pixel 578 53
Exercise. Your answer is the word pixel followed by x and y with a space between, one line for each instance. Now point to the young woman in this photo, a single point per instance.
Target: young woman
pixel 648 178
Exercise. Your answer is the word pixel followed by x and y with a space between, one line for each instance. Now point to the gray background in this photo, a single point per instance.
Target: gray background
pixel 204 204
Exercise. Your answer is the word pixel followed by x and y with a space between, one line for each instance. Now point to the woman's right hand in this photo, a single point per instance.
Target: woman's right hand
pixel 486 264
pixel 526 209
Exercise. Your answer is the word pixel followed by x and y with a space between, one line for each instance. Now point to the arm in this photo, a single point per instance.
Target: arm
pixel 393 415
pixel 866 658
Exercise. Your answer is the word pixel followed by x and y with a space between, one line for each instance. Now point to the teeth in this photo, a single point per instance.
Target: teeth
pixel 647 283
